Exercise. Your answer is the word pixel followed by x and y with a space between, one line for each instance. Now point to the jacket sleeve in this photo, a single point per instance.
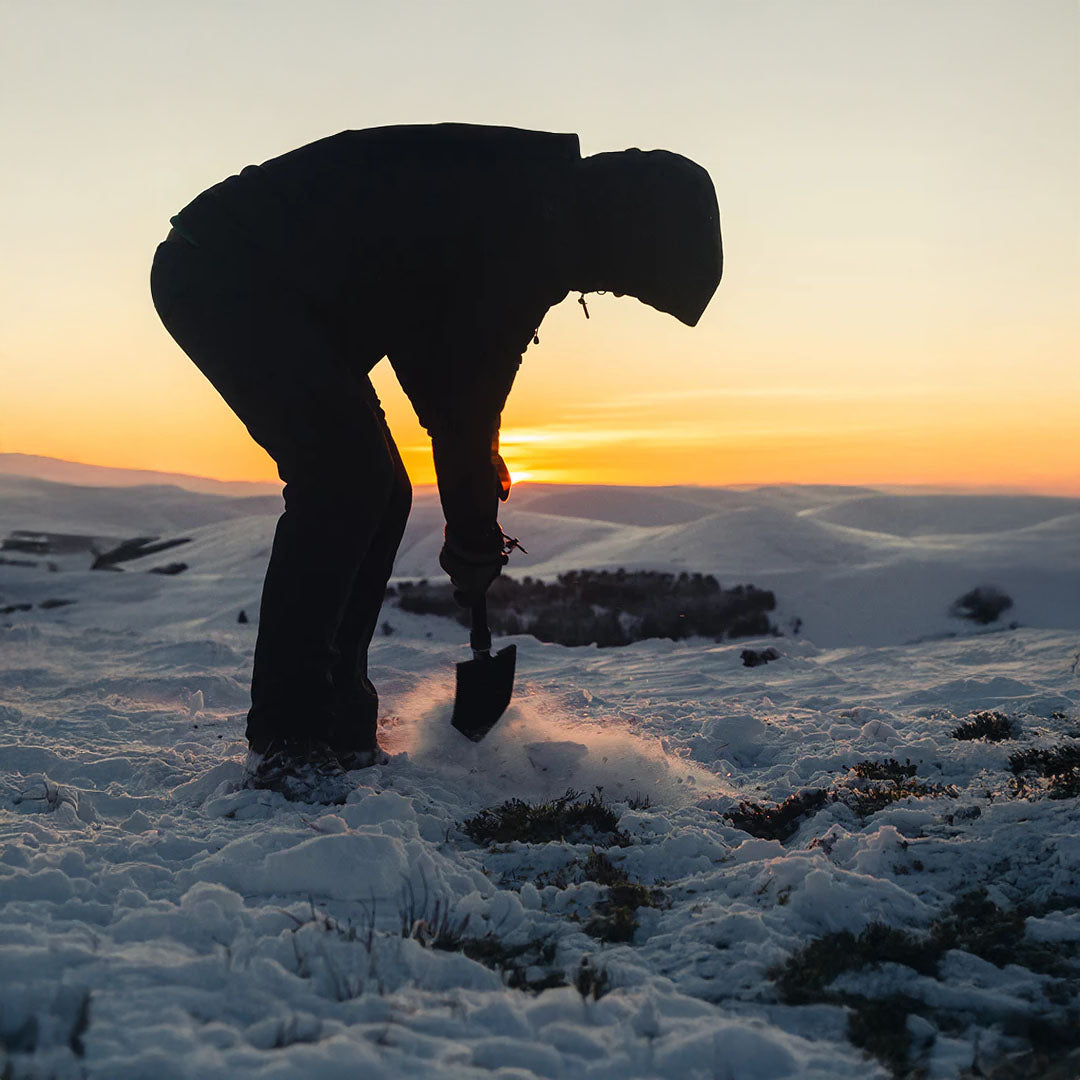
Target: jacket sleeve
pixel 469 482
pixel 483 276
pixel 459 399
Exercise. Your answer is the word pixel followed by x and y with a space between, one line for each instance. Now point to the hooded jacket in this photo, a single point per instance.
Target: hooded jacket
pixel 443 246
pixel 439 246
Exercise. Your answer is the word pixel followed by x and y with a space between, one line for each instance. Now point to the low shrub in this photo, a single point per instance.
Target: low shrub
pixel 615 917
pixel 984 604
pixel 780 821
pixel 991 726
pixel 874 797
pixel 1046 761
pixel 889 769
pixel 880 784
pixel 518 964
pixel 757 657
pixel 567 818
pixel 1057 766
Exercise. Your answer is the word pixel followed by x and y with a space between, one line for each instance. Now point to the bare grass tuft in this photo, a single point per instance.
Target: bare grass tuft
pixel 569 819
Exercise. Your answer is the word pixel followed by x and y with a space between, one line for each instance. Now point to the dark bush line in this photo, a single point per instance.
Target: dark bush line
pixel 607 607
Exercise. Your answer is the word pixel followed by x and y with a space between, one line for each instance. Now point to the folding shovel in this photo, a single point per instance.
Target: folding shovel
pixel 485 683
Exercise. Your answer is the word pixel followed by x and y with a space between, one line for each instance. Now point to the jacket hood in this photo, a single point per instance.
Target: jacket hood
pixel 656 227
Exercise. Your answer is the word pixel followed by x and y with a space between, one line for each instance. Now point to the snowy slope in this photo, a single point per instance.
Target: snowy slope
pixel 75 472
pixel 158 920
pixel 855 567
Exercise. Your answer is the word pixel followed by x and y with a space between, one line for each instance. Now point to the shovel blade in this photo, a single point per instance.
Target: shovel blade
pixel 484 688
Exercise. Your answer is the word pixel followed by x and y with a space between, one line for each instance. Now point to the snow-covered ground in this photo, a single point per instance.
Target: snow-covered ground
pixel 158 921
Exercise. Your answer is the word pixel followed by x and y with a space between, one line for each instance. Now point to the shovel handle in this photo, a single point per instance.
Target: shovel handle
pixel 480 635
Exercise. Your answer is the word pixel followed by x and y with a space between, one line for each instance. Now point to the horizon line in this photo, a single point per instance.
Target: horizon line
pixel 884 487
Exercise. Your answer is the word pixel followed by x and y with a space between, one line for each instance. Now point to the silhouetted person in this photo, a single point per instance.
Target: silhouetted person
pixel 440 247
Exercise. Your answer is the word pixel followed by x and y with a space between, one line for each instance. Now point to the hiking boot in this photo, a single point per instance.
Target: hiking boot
pixel 362 759
pixel 352 732
pixel 302 770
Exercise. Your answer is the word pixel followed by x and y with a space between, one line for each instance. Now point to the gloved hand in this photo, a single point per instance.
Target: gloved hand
pixel 472 568
pixel 502 476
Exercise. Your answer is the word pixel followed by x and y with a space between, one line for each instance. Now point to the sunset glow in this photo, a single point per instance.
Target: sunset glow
pixel 898 187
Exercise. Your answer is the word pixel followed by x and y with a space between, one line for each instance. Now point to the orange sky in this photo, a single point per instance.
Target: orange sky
pixel 899 187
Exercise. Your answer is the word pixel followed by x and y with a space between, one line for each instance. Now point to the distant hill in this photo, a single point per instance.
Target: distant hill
pixel 848 565
pixel 75 472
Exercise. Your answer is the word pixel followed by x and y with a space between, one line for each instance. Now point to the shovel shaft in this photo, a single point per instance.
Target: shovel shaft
pixel 480 635
pixel 484 683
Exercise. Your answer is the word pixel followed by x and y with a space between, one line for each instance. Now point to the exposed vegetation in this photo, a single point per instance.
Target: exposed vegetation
pixel 874 797
pixel 874 786
pixel 517 964
pixel 973 924
pixel 591 982
pixel 135 548
pixel 45 605
pixel 607 607
pixel 435 928
pixel 889 769
pixel 1057 769
pixel 572 820
pixel 984 604
pixel 615 917
pixel 991 726
pixel 757 657
pixel 567 818
pixel 780 821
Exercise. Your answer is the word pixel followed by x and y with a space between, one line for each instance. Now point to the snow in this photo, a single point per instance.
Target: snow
pixel 159 920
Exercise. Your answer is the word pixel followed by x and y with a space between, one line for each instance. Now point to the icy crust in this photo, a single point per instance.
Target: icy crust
pixel 160 920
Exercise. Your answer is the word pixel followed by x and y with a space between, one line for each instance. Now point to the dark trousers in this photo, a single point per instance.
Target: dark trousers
pixel 307 401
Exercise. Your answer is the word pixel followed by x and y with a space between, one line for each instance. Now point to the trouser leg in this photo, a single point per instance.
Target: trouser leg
pixel 356 702
pixel 321 543
pixel 284 375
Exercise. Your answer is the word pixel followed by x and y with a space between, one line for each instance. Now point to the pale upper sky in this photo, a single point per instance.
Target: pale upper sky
pixel 899 183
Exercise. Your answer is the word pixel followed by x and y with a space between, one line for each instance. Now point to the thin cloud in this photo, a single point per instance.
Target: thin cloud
pixel 819 392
